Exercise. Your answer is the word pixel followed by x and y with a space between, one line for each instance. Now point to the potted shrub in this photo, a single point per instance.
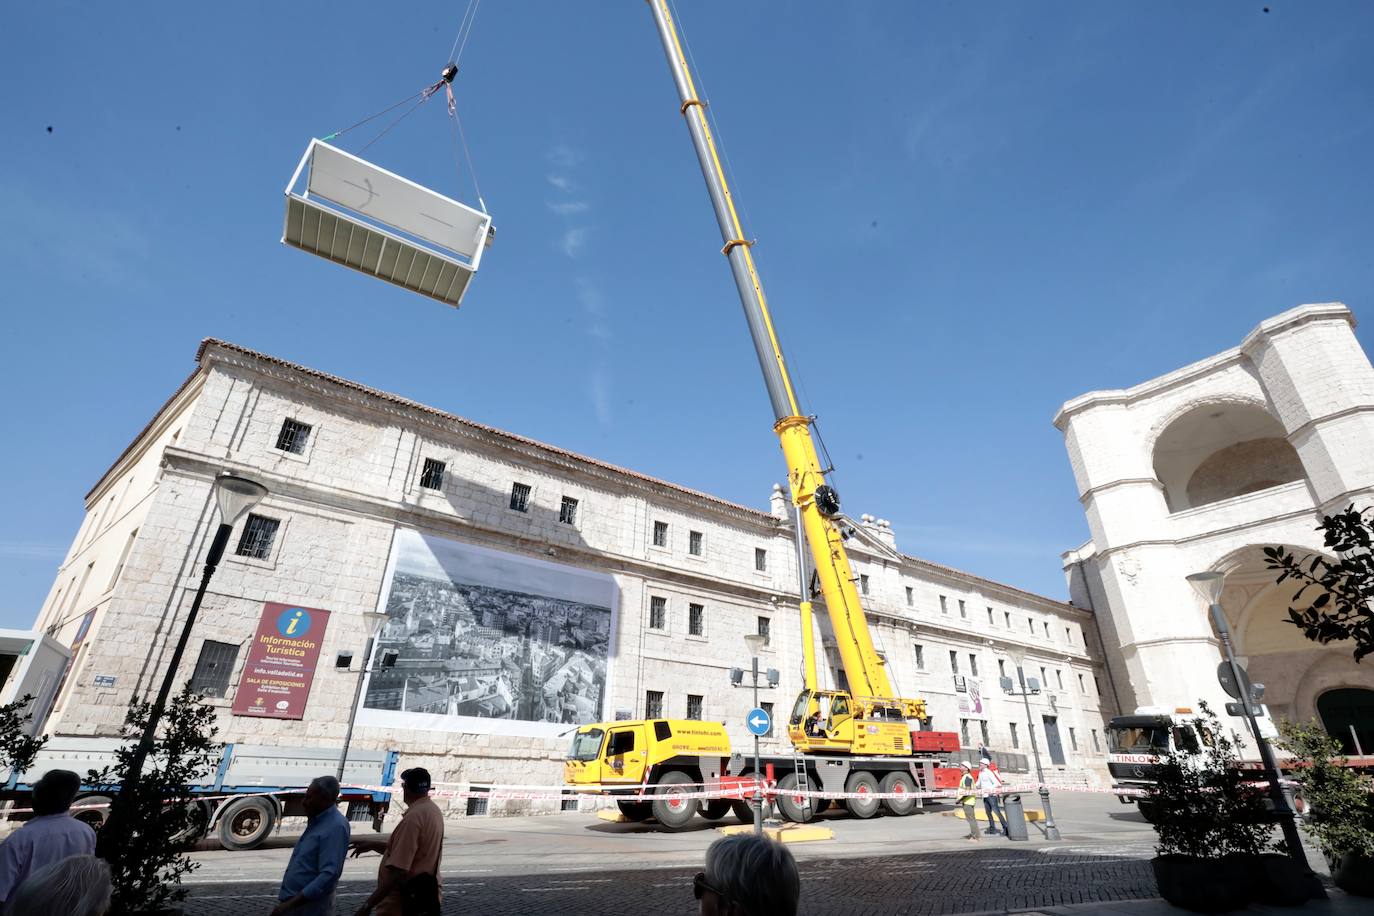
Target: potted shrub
pixel 1340 806
pixel 1211 824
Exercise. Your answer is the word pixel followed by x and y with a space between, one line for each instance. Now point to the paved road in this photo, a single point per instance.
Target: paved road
pixel 574 863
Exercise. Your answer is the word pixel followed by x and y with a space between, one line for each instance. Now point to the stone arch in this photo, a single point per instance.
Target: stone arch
pixel 1347 714
pixel 1220 448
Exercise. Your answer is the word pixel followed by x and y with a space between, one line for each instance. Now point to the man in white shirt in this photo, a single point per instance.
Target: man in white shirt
pixel 990 781
pixel 51 835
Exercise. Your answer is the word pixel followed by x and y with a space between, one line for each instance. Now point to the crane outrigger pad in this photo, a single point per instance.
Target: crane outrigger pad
pixel 349 205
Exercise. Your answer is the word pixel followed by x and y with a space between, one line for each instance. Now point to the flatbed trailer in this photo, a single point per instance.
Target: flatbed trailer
pixel 243 797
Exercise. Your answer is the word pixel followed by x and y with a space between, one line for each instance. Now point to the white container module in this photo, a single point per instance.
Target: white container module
pixel 376 222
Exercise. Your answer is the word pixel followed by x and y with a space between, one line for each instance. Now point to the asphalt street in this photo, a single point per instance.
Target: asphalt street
pixel 575 863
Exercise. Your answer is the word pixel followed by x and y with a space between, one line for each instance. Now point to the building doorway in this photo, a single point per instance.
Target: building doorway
pixel 1052 742
pixel 1347 714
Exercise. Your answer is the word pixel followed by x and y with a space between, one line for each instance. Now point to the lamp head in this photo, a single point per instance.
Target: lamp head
pixel 236 495
pixel 374 621
pixel 755 642
pixel 1208 585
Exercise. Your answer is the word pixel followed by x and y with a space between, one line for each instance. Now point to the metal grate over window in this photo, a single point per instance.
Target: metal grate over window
pixel 567 512
pixel 694 543
pixel 569 802
pixel 660 534
pixel 658 612
pixel 760 559
pixel 258 534
pixel 765 625
pixel 696 620
pixel 293 436
pixel 520 497
pixel 653 704
pixel 213 668
pixel 477 806
pixel 432 477
pixel 693 706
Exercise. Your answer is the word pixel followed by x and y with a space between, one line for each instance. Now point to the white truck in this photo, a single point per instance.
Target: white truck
pixel 242 797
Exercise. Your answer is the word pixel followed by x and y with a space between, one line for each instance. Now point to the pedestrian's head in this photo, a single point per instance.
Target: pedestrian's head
pixel 55 791
pixel 77 885
pixel 322 795
pixel 964 764
pixel 415 783
pixel 748 875
pixel 984 761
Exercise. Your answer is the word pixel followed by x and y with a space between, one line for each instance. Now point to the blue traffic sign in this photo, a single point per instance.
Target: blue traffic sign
pixel 758 722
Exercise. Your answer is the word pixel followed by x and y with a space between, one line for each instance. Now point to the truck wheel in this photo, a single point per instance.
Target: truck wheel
pixel 672 808
pixel 93 817
pixel 246 822
pixel 744 810
pixel 864 785
pixel 715 808
pixel 799 809
pixel 899 784
pixel 635 810
pixel 197 822
pixel 1148 811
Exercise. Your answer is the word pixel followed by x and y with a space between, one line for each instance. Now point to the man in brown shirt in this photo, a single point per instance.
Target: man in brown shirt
pixel 413 849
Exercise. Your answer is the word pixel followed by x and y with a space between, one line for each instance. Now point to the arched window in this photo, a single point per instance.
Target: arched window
pixel 1348 715
pixel 1219 451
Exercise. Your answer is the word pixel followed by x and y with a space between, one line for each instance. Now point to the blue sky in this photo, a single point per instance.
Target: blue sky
pixel 966 213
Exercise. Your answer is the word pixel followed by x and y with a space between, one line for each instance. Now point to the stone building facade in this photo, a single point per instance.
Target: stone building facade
pixel 1200 469
pixel 351 471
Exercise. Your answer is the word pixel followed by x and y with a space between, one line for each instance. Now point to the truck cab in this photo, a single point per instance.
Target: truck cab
pixel 1135 744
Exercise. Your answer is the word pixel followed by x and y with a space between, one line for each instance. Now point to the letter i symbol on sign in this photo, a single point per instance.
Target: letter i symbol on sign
pixel 295 619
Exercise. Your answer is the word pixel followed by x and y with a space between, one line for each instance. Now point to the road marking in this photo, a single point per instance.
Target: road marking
pixel 535 890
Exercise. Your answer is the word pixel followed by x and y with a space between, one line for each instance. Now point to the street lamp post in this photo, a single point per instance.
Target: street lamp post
pixel 755 642
pixel 374 621
pixel 234 496
pixel 1019 657
pixel 1208 585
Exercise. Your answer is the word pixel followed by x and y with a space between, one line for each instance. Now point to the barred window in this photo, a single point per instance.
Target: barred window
pixel 910 596
pixel 213 668
pixel 863 583
pixel 696 619
pixel 1097 746
pixel 953 662
pixel 653 704
pixel 567 512
pixel 293 436
pixel 765 625
pixel 478 804
pixel 920 656
pixel 760 559
pixel 658 613
pixel 972 664
pixel 569 802
pixel 660 534
pixel 963 611
pixel 258 534
pixel 693 706
pixel 520 497
pixel 432 477
pixel 694 543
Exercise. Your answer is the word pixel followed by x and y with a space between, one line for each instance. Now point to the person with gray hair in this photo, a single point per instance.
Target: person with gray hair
pixel 748 875
pixel 307 888
pixel 74 886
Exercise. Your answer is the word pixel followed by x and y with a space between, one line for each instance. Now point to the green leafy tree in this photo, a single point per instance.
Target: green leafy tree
pixel 1340 801
pixel 18 750
pixel 148 856
pixel 1339 590
pixel 1204 805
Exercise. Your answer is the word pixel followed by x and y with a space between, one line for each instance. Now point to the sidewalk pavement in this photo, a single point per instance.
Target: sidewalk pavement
pixel 1338 903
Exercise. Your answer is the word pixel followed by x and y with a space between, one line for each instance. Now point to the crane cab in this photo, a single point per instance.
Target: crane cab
pixel 835 722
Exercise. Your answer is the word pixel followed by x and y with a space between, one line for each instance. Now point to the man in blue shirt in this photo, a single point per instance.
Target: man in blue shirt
pixel 307 888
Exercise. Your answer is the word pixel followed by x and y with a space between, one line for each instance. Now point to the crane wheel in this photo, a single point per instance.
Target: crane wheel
pixel 799 809
pixel 673 805
pixel 744 810
pixel 865 787
pixel 899 784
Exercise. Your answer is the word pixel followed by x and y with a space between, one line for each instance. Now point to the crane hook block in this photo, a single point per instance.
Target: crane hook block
pixel 449 73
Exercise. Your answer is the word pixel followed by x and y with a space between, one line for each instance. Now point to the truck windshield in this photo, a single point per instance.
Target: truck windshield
pixel 1138 740
pixel 586 745
pixel 799 708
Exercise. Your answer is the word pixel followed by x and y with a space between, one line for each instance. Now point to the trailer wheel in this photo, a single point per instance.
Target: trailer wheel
pixel 635 810
pixel 197 823
pixel 672 807
pixel 246 822
pixel 899 784
pixel 716 808
pixel 744 810
pixel 799 809
pixel 865 786
pixel 93 817
pixel 1148 811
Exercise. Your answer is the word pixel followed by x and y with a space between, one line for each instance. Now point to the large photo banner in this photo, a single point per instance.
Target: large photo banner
pixel 281 662
pixel 488 641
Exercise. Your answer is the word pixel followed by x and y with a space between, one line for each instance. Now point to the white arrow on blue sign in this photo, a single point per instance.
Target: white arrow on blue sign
pixel 758 722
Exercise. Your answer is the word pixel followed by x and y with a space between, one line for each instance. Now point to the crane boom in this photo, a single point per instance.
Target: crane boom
pixel 862 664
